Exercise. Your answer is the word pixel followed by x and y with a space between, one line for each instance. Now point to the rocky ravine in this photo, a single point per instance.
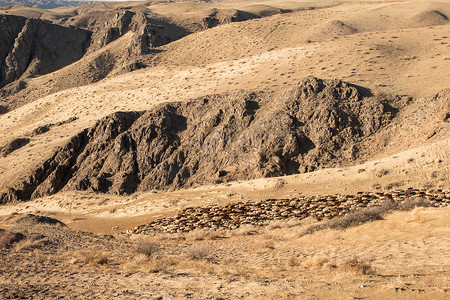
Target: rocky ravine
pixel 220 138
pixel 33 47
pixel 36 47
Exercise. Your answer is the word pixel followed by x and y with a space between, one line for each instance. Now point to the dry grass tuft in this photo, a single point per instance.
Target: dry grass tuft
pixel 356 218
pixel 358 266
pixel 90 257
pixel 293 261
pixel 146 246
pixel 368 214
pixel 199 252
pixel 413 202
pixel 315 262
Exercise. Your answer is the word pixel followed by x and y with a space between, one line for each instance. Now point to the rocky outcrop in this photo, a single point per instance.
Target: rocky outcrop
pixel 10 27
pixel 38 48
pixel 112 24
pixel 13 145
pixel 219 138
pixel 225 16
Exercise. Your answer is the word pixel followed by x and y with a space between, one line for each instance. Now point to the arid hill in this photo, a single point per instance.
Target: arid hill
pixel 44 4
pixel 239 136
pixel 141 31
pixel 235 149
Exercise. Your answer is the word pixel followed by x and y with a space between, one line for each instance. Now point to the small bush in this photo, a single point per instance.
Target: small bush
pixel 91 257
pixel 146 246
pixel 199 252
pixel 356 218
pixel 293 261
pixel 413 202
pixel 355 265
pixel 315 262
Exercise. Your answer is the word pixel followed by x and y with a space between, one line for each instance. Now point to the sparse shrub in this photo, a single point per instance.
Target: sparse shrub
pixel 277 224
pixel 368 214
pixel 199 252
pixel 414 202
pixel 145 246
pixel 293 261
pixel 382 172
pixel 358 266
pixel 91 257
pixel 358 217
pixel 315 262
pixel 313 228
pixel 245 229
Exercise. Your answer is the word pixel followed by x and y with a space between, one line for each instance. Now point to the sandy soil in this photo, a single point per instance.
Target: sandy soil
pixel 405 257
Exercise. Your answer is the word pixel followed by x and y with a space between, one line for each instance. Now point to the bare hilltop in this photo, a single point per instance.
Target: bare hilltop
pixel 221 150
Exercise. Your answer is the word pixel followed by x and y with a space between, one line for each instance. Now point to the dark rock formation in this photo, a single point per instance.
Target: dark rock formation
pixel 13 145
pixel 224 16
pixel 110 25
pixel 31 219
pixel 319 123
pixel 36 47
pixel 10 27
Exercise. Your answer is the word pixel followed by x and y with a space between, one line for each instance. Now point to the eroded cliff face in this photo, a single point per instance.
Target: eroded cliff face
pixel 10 27
pixel 319 123
pixel 34 47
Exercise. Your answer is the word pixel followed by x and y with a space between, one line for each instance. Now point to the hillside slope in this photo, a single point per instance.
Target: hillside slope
pixel 241 136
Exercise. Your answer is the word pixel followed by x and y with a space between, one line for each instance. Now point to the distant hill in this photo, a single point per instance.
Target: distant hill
pixel 46 4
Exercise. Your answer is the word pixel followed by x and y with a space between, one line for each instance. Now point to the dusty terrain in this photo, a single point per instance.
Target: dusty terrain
pixel 406 253
pixel 162 106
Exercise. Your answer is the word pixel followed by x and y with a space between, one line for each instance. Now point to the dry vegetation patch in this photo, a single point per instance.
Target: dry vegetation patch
pixel 146 246
pixel 199 252
pixel 358 266
pixel 90 257
pixel 368 214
